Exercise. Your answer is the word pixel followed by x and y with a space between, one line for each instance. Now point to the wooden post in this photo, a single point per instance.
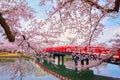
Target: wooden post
pixel 62 59
pixel 58 59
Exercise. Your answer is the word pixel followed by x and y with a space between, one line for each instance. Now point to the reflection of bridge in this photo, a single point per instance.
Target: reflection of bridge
pixel 61 51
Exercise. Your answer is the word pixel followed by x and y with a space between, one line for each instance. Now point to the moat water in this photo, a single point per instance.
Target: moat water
pixel 23 70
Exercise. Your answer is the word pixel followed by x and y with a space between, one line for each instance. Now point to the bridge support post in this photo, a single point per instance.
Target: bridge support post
pixel 53 56
pixel 58 59
pixel 62 59
pixel 53 59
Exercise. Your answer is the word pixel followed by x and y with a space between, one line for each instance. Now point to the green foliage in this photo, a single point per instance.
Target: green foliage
pixel 68 58
pixel 28 59
pixel 38 59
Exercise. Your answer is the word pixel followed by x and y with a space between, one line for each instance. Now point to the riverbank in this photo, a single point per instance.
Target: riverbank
pixel 6 56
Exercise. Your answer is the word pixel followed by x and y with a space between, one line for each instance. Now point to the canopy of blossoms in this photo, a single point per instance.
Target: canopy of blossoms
pixel 67 22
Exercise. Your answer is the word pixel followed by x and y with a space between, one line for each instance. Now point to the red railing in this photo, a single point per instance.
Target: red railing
pixel 84 49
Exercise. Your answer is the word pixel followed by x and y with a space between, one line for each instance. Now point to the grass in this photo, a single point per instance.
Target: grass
pixel 6 56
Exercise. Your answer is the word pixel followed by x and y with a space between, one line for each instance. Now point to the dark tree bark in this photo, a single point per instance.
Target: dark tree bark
pixel 115 9
pixel 6 28
pixel 117 3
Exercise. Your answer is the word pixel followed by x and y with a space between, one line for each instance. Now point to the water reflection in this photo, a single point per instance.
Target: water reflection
pixel 22 70
pixel 27 70
pixel 106 69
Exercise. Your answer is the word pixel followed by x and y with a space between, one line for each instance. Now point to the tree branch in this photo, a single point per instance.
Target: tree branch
pixel 31 47
pixel 93 31
pixel 115 9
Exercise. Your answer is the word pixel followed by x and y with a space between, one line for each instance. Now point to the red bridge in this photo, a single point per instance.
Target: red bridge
pixel 68 50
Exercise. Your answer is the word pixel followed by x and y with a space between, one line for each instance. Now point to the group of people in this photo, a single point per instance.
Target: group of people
pixel 45 56
pixel 83 57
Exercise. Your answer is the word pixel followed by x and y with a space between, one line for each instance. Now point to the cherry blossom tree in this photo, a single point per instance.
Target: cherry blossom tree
pixel 65 16
pixel 83 18
pixel 72 14
pixel 11 12
pixel 12 15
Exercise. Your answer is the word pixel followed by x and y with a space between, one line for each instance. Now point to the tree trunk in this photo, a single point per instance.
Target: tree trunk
pixel 7 30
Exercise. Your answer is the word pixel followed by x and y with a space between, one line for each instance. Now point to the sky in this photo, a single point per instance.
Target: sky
pixel 40 9
pixel 109 33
